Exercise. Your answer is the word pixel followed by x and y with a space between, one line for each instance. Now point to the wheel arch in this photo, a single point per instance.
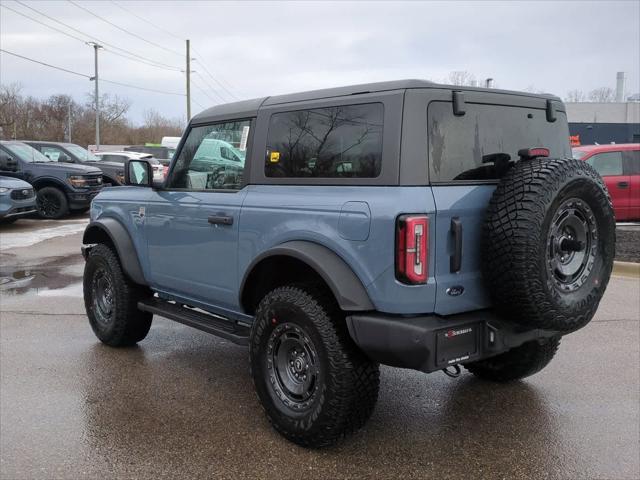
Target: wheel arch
pixel 50 182
pixel 300 261
pixel 111 232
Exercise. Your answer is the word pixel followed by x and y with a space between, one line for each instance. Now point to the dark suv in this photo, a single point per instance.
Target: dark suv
pixel 112 172
pixel 407 223
pixel 60 187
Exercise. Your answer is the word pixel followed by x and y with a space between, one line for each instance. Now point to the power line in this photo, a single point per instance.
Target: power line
pixel 143 88
pixel 42 23
pixel 213 90
pixel 139 58
pixel 220 77
pixel 213 78
pixel 203 91
pixel 179 38
pixel 45 64
pixel 123 29
pixel 88 76
pixel 176 69
pixel 130 12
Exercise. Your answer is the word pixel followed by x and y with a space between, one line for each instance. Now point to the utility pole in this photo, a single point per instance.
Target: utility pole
pixel 69 121
pixel 188 71
pixel 96 47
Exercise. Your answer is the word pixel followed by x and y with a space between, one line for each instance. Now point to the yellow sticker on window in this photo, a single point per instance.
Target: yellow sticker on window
pixel 274 157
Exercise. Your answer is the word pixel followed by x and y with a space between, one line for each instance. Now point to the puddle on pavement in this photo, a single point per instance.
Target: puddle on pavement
pixel 61 276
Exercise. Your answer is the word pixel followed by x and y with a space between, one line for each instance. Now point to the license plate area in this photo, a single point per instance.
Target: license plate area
pixel 455 345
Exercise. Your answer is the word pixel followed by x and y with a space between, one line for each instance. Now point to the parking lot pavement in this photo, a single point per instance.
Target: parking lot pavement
pixel 181 404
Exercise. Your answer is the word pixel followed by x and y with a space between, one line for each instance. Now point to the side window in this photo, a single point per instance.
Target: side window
pixel 607 163
pixel 632 162
pixel 52 153
pixel 212 157
pixel 331 142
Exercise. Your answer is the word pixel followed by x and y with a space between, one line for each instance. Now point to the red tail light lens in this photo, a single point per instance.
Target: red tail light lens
pixel 412 249
pixel 530 153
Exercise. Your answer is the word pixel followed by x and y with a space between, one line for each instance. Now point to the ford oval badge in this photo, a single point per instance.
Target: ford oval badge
pixel 455 291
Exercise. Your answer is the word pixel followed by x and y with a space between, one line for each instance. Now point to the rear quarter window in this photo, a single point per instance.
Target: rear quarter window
pixel 475 146
pixel 330 142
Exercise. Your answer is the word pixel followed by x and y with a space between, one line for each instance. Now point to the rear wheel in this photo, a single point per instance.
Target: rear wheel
pixel 313 382
pixel 52 203
pixel 111 300
pixel 517 363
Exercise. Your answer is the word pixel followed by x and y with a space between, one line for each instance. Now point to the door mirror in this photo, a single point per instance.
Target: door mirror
pixel 8 164
pixel 138 173
pixel 64 158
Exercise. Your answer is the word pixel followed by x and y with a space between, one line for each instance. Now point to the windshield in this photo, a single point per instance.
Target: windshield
pixel 82 153
pixel 578 154
pixel 27 153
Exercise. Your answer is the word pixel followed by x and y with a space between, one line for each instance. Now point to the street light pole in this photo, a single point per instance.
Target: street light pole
pixel 96 47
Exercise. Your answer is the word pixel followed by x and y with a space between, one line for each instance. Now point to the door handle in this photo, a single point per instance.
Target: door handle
pixel 455 261
pixel 623 184
pixel 220 219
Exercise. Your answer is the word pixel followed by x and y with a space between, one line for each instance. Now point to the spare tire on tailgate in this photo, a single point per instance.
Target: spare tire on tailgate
pixel 548 243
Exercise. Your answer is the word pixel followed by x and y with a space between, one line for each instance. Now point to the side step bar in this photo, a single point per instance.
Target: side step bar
pixel 227 329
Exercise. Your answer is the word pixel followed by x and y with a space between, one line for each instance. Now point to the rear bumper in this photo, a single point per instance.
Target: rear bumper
pixel 431 343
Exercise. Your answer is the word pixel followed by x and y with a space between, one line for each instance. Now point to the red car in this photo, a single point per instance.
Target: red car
pixel 619 165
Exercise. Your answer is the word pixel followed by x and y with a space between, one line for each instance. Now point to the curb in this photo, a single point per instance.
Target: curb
pixel 626 269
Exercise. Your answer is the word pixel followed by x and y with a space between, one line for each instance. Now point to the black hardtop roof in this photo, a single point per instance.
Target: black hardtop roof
pixel 249 108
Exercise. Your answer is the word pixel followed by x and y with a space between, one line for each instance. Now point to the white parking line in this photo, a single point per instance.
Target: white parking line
pixel 10 240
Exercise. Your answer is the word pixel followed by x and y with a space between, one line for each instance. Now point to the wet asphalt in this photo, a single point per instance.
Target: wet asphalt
pixel 182 405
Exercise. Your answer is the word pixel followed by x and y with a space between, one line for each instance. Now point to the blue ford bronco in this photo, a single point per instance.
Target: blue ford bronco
pixel 404 223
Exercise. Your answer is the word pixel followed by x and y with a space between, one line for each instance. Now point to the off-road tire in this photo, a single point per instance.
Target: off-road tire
pixel 517 241
pixel 51 203
pixel 125 325
pixel 348 382
pixel 520 362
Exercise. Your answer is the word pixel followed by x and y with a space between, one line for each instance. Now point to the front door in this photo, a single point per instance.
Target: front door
pixel 192 223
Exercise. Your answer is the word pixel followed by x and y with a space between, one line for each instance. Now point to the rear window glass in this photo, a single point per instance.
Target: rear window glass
pixel 331 142
pixel 607 163
pixel 481 144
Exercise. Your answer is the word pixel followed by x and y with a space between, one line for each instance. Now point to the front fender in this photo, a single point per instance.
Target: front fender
pixel 344 284
pixel 120 238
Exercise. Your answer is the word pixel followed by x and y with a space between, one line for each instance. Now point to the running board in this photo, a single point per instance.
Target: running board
pixel 219 326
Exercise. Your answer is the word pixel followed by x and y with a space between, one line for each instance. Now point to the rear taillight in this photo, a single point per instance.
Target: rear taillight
pixel 530 153
pixel 412 248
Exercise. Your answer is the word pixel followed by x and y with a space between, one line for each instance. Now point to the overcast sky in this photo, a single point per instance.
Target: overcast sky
pixel 266 48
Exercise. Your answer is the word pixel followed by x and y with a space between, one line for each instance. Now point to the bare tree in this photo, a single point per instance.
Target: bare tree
pixel 461 78
pixel 575 96
pixel 30 118
pixel 602 95
pixel 533 89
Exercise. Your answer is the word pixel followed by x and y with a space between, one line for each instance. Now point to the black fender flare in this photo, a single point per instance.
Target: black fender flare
pixel 345 285
pixel 123 243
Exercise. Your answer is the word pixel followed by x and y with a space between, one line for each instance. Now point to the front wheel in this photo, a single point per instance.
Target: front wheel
pixel 111 300
pixel 313 382
pixel 51 202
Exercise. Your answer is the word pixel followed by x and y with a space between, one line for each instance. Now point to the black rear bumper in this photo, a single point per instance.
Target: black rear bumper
pixel 432 342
